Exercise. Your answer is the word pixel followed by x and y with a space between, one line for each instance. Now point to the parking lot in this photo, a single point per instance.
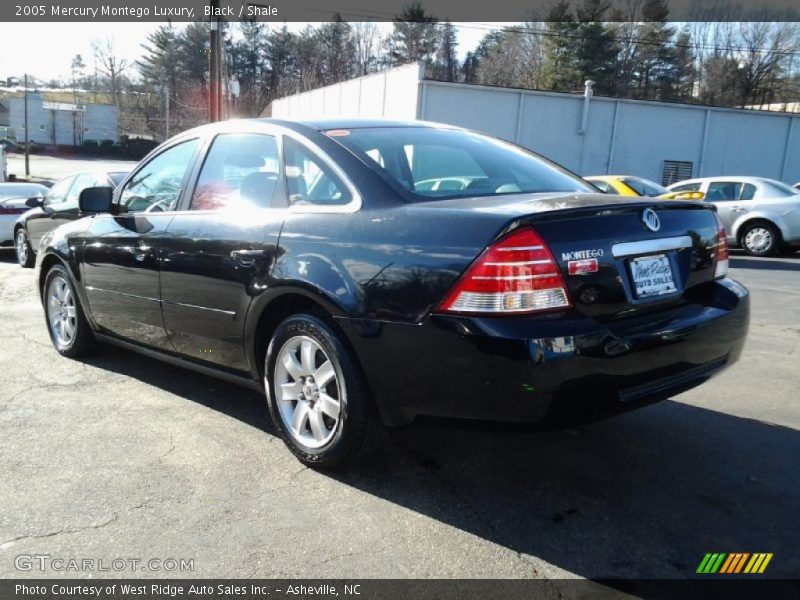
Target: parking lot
pixel 123 456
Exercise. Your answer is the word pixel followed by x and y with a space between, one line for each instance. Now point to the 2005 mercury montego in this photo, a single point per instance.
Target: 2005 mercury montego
pixel 365 273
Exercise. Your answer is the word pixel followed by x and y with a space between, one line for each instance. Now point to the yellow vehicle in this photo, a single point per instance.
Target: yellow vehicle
pixel 628 185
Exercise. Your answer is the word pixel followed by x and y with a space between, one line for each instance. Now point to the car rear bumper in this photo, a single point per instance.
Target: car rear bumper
pixel 551 367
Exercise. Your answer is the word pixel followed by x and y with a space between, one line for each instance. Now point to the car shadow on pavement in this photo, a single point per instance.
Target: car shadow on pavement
pixel 764 264
pixel 642 495
pixel 7 255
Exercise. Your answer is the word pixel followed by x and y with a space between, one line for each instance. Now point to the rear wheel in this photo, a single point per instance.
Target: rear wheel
pixel 25 256
pixel 69 330
pixel 760 239
pixel 317 395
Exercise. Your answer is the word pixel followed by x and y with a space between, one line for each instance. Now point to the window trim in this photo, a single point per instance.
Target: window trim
pixel 355 198
pixel 167 146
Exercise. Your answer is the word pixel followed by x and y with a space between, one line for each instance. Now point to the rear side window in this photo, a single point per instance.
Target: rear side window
pixel 82 181
pixel 309 181
pixel 58 193
pixel 424 163
pixel 240 171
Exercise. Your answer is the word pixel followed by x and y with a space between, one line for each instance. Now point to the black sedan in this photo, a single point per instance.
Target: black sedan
pixel 58 206
pixel 364 273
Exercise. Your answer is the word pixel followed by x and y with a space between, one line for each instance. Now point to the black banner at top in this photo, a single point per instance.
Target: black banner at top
pixel 368 10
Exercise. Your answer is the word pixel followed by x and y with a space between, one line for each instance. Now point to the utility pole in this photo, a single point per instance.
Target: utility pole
pixel 214 83
pixel 166 109
pixel 27 152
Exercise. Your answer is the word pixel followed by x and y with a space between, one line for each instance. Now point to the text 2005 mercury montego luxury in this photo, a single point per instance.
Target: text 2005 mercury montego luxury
pixel 370 272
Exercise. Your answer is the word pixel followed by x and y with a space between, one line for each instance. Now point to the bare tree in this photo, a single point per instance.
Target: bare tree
pixel 367 42
pixel 111 65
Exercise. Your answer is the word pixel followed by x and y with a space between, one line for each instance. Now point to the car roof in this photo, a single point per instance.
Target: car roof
pixel 731 178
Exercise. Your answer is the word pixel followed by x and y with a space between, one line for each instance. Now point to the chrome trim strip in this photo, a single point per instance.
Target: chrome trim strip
pixel 231 313
pixel 648 246
pixel 94 289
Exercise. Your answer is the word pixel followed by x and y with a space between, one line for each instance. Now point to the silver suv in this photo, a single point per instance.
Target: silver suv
pixel 760 215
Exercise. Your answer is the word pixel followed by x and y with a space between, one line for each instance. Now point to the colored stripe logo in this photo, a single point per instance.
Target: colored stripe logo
pixel 734 563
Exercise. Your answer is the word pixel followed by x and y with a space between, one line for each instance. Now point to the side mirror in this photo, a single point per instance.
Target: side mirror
pixel 34 202
pixel 95 200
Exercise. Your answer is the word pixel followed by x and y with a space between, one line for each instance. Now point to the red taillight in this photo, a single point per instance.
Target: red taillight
pixel 517 274
pixel 12 211
pixel 721 251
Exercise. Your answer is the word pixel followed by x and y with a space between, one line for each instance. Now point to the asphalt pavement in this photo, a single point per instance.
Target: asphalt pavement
pixel 52 168
pixel 121 456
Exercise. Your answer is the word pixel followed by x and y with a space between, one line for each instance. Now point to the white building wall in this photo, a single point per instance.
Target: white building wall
pixel 391 94
pixel 622 137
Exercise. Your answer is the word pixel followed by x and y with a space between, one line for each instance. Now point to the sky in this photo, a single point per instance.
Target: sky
pixel 55 44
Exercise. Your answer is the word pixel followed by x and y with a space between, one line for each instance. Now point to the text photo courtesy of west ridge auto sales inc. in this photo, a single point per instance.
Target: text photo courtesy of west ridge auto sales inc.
pixel 415 300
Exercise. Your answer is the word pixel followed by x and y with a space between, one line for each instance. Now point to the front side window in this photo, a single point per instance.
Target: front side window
pixel 309 180
pixel 603 186
pixel 424 163
pixel 240 171
pixel 58 193
pixel 157 185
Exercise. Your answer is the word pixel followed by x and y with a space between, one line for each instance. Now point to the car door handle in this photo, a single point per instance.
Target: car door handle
pixel 247 257
pixel 737 209
pixel 141 252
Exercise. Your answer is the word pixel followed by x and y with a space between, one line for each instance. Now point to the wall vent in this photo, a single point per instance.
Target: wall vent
pixel 675 170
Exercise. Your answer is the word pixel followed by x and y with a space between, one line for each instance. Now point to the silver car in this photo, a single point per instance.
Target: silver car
pixel 760 215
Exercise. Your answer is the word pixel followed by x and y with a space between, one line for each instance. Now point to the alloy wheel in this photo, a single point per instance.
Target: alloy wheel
pixel 307 392
pixel 22 247
pixel 61 312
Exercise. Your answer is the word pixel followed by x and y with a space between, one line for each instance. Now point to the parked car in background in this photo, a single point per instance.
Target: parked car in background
pixel 760 215
pixel 325 264
pixel 637 187
pixel 58 206
pixel 13 198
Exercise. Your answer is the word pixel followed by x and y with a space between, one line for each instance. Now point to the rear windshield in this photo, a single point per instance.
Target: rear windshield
pixel 425 163
pixel 776 189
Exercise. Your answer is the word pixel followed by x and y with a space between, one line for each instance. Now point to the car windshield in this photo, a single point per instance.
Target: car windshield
pixel 778 189
pixel 644 187
pixel 425 163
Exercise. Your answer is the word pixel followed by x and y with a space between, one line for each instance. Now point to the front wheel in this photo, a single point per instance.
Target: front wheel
pixel 760 239
pixel 69 330
pixel 25 256
pixel 318 398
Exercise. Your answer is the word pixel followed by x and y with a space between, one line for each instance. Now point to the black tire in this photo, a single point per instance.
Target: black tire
pixel 767 249
pixel 25 256
pixel 82 342
pixel 358 432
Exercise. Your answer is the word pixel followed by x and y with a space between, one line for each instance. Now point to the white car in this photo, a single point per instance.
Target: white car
pixel 760 215
pixel 13 197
